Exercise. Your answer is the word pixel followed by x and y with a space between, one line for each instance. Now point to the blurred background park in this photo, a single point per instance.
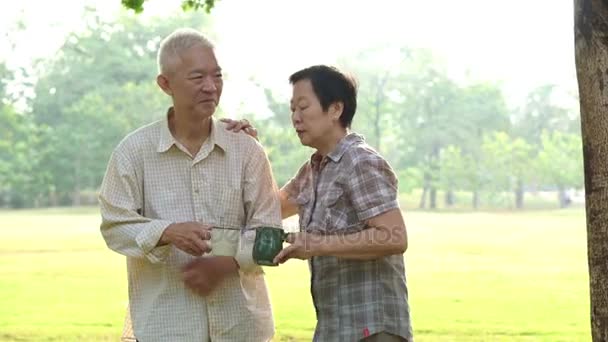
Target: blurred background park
pixel 474 103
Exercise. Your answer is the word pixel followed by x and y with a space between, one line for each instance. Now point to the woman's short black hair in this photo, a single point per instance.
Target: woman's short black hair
pixel 330 86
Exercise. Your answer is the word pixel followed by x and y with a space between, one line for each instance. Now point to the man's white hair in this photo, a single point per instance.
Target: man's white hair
pixel 174 44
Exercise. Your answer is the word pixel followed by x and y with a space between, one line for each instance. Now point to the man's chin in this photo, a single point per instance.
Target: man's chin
pixel 206 111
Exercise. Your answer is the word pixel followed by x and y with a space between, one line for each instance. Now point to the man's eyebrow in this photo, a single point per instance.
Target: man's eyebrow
pixel 201 71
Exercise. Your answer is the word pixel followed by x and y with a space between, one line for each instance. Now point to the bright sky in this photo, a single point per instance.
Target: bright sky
pixel 520 43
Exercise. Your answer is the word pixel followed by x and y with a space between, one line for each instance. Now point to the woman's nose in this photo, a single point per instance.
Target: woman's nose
pixel 295 117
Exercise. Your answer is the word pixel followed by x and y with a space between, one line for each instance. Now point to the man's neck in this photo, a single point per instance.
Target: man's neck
pixel 189 130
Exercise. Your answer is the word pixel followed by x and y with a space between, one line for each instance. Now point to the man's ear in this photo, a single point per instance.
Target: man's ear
pixel 335 110
pixel 163 83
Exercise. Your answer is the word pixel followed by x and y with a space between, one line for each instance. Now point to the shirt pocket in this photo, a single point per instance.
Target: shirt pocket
pixel 336 210
pixel 304 202
pixel 230 211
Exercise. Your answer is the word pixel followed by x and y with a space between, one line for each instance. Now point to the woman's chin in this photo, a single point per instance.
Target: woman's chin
pixel 303 140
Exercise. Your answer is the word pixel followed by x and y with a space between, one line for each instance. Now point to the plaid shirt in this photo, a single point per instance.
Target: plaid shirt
pixel 337 195
pixel 153 181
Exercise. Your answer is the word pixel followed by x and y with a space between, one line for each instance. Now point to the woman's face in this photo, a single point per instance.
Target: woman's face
pixel 312 124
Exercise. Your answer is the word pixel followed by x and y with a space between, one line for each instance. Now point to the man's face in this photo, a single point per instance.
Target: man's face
pixel 312 124
pixel 196 81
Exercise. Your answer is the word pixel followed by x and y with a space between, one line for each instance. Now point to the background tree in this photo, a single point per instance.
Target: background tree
pixel 561 149
pixel 591 51
pixel 98 88
pixel 138 5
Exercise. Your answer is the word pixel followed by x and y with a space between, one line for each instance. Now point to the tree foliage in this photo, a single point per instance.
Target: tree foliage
pixel 138 5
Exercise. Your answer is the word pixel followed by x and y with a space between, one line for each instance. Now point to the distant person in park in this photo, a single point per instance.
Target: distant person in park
pixel 173 184
pixel 351 227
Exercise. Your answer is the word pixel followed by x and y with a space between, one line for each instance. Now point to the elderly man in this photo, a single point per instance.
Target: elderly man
pixel 174 186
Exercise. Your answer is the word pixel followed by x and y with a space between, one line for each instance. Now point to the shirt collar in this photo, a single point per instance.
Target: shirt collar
pixel 339 150
pixel 218 136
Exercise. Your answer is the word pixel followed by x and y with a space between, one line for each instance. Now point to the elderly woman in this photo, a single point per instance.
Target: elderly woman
pixel 351 228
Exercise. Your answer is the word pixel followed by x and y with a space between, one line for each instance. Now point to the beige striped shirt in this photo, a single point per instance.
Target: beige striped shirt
pixel 153 181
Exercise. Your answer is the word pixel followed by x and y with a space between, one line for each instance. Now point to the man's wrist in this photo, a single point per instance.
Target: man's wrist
pixel 164 237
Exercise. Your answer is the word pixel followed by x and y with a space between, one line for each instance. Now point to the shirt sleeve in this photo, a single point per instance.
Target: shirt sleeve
pixel 261 204
pixel 293 187
pixel 372 186
pixel 123 226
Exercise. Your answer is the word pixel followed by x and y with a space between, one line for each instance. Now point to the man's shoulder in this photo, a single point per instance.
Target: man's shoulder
pixel 142 138
pixel 240 140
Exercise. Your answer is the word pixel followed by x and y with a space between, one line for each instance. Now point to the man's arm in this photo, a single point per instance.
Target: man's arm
pixel 261 203
pixel 128 232
pixel 288 208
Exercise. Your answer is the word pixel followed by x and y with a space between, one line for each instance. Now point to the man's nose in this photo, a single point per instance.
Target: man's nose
pixel 208 85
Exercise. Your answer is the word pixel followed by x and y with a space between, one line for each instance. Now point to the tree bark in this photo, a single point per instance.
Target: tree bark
pixel 591 52
pixel 380 91
pixel 435 169
pixel 422 203
pixel 433 198
pixel 449 198
pixel 475 199
pixel 562 197
pixel 519 195
pixel 77 187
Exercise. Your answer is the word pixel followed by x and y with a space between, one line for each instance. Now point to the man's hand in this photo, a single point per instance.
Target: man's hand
pixel 203 275
pixel 190 237
pixel 302 246
pixel 241 125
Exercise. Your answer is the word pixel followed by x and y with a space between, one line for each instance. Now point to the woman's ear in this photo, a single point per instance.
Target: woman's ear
pixel 335 110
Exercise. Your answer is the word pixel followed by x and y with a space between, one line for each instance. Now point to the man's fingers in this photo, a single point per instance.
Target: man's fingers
pixel 188 267
pixel 204 234
pixel 188 276
pixel 202 246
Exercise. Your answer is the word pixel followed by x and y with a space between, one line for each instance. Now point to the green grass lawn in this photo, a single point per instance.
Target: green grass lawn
pixel 472 277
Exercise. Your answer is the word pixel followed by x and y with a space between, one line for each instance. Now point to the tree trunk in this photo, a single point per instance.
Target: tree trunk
pixel 380 94
pixel 435 169
pixel 519 195
pixel 591 51
pixel 449 198
pixel 422 203
pixel 77 188
pixel 433 198
pixel 475 199
pixel 562 197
